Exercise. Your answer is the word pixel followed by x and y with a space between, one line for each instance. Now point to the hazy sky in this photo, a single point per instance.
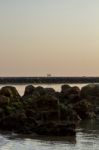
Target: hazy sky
pixel 60 37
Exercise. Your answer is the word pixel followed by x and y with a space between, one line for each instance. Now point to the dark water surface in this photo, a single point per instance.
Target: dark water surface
pixel 87 137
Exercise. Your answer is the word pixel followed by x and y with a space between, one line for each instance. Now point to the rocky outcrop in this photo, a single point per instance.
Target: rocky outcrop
pixel 10 92
pixel 45 111
pixel 85 109
pixel 4 101
pixel 29 90
pixel 90 90
pixel 91 93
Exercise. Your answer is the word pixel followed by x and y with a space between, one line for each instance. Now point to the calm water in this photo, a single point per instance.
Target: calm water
pixel 87 137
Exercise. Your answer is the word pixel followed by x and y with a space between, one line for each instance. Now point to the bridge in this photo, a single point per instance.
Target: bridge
pixel 33 80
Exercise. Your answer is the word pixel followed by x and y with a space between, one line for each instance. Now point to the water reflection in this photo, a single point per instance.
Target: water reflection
pixel 90 126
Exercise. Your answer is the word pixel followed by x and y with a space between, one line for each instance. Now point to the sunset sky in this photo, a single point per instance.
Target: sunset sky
pixel 60 37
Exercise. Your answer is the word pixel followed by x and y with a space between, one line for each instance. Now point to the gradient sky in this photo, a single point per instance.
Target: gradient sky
pixel 60 37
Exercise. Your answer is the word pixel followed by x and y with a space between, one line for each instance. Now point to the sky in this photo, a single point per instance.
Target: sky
pixel 57 37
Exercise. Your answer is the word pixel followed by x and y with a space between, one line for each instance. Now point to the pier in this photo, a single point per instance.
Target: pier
pixel 25 80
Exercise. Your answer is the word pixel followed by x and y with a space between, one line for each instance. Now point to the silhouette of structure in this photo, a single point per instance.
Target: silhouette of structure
pixel 48 79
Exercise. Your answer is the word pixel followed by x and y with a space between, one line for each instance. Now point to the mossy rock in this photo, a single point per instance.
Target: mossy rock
pixel 84 109
pixel 4 101
pixel 29 90
pixel 11 93
pixel 90 90
pixel 65 88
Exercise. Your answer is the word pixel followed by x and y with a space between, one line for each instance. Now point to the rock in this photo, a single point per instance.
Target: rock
pixel 29 90
pixel 10 92
pixel 2 113
pixel 90 90
pixel 43 91
pixel 91 93
pixel 4 101
pixel 67 114
pixel 42 108
pixel 84 109
pixel 45 111
pixel 40 90
pixel 13 121
pixel 75 90
pixel 73 98
pixel 65 88
pixel 46 102
pixel 40 102
pixel 61 114
pixel 47 108
pixel 72 91
pixel 50 91
pixel 69 94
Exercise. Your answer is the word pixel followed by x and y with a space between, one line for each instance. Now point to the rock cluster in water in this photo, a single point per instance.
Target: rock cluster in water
pixel 45 111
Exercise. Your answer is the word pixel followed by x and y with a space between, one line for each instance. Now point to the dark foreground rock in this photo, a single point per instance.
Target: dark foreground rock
pixel 85 109
pixel 10 92
pixel 91 93
pixel 47 112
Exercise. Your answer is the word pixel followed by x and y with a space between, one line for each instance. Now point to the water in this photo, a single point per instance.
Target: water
pixel 87 137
